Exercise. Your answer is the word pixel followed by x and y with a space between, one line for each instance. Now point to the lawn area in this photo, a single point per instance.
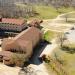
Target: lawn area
pixel 49 35
pixel 65 10
pixel 68 58
pixel 72 15
pixel 47 12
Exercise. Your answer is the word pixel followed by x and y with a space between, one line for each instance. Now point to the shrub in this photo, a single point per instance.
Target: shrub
pixel 19 59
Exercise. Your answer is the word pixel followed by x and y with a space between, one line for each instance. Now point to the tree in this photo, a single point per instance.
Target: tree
pixel 66 17
pixel 67 3
pixel 61 39
pixel 27 71
pixel 56 4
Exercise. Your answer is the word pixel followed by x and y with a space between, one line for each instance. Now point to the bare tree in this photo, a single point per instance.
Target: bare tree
pixel 66 17
pixel 61 39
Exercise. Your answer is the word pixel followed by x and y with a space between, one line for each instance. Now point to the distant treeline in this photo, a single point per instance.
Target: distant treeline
pixel 8 8
pixel 12 10
pixel 47 2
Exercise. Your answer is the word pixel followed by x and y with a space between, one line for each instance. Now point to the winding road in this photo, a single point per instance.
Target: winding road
pixel 58 24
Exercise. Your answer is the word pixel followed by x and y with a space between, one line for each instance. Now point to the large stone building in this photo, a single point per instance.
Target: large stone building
pixel 21 44
pixel 9 24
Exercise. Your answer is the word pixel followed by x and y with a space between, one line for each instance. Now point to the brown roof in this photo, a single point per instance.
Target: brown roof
pixel 23 42
pixel 35 22
pixel 32 34
pixel 13 21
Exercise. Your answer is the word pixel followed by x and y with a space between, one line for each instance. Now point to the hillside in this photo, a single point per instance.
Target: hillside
pixel 47 9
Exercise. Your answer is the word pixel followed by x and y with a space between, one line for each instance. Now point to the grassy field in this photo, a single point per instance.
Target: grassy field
pixel 47 12
pixel 65 10
pixel 68 58
pixel 49 35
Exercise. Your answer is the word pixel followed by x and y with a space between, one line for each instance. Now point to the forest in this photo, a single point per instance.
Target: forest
pixel 26 8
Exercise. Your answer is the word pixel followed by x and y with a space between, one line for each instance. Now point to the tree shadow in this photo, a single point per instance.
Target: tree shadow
pixel 68 49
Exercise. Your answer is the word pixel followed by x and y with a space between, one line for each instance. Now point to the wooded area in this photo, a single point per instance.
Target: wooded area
pixel 8 8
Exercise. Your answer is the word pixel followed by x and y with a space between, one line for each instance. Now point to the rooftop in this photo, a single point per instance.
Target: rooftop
pixel 35 22
pixel 12 21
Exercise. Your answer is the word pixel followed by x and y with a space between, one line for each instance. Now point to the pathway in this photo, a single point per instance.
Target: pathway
pixel 55 25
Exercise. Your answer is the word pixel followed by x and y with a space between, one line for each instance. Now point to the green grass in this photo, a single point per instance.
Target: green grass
pixel 70 15
pixel 49 35
pixel 72 45
pixel 66 10
pixel 49 69
pixel 68 58
pixel 47 12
